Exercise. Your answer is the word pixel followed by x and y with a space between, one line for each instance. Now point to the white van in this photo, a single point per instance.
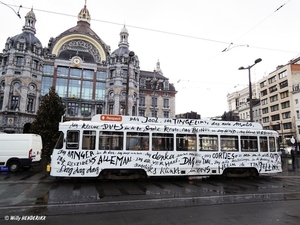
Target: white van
pixel 20 151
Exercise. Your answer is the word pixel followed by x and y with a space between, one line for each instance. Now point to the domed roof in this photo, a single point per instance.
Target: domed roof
pixel 121 51
pixel 123 44
pixel 30 14
pixel 27 38
pixel 28 35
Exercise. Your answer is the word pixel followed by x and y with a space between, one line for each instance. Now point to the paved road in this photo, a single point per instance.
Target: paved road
pixel 35 193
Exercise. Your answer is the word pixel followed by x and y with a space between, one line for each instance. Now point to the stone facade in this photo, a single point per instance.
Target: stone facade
pixel 88 77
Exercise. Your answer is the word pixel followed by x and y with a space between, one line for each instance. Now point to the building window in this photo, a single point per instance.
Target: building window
pixel 274 108
pixel 287 126
pixel 48 69
pixel 154 113
pixel 141 112
pixel 296 87
pixel 101 75
pixel 283 84
pixel 111 109
pixel 73 108
pixel 21 46
pixel 88 74
pixel 286 115
pixel 166 103
pixel 99 109
pixel 14 103
pixel 273 98
pixel 1 101
pixel 87 90
pixel 265 110
pixel 76 73
pixel 296 101
pixel 166 114
pixel 284 94
pixel 100 91
pixel 265 119
pixel 19 61
pixel 86 109
pixel 35 64
pixel 275 117
pixel 124 74
pixel 285 105
pixel 154 102
pixel 264 101
pixel 30 105
pixel 298 115
pixel 74 89
pixel 282 74
pixel 142 101
pixel 46 85
pixel 264 92
pixel 263 84
pixel 272 80
pixel 62 71
pixel 133 111
pixel 273 88
pixel 122 109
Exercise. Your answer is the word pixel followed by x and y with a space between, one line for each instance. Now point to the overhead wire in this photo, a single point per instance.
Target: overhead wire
pixel 177 34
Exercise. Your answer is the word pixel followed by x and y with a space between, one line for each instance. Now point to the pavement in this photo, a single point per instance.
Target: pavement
pixel 74 196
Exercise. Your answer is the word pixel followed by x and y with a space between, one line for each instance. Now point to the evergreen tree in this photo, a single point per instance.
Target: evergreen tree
pixel 47 120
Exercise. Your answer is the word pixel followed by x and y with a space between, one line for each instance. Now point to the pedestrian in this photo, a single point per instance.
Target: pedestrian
pixel 294 154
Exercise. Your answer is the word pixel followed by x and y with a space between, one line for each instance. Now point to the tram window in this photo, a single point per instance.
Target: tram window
pixel 272 143
pixel 162 142
pixel 208 143
pixel 88 140
pixel 109 140
pixel 60 141
pixel 249 144
pixel 263 143
pixel 137 141
pixel 229 143
pixel 72 139
pixel 186 142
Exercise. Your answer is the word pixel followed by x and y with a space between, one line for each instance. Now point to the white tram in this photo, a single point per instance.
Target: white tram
pixel 112 145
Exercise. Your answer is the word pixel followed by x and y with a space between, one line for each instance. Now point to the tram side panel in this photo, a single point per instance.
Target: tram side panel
pixel 89 163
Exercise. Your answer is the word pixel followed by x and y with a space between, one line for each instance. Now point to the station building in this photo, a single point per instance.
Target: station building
pixel 89 77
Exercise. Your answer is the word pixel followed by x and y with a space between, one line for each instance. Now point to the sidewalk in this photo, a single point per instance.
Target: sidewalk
pixel 287 167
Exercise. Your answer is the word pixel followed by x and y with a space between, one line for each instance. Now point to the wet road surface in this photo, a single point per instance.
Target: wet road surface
pixel 36 193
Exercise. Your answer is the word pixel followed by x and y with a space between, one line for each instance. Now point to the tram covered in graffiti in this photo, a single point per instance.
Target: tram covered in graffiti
pixel 113 145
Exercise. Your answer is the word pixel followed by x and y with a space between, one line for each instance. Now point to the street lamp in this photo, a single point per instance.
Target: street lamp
pixel 250 86
pixel 131 54
pixel 154 84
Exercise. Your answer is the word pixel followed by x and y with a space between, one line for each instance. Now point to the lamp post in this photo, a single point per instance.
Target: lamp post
pixel 131 54
pixel 154 84
pixel 250 86
pixel 281 127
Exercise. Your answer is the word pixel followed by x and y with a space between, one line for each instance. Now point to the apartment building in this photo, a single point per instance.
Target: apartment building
pixel 279 100
pixel 238 102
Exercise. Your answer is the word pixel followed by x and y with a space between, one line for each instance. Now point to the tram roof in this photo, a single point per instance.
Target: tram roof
pixel 175 122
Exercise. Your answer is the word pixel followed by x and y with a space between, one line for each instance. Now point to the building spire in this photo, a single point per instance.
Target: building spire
pixel 29 22
pixel 124 38
pixel 84 14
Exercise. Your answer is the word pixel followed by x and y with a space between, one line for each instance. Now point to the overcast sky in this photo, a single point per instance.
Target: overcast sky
pixel 188 38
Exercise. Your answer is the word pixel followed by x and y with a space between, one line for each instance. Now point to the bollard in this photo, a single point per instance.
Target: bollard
pixel 48 168
pixel 290 164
